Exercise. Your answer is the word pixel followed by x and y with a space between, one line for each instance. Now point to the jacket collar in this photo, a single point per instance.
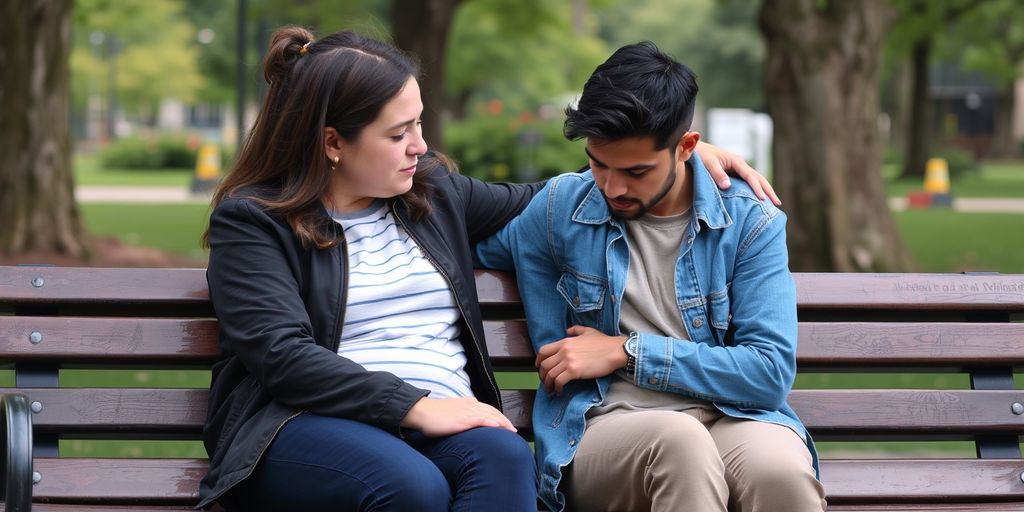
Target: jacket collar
pixel 707 201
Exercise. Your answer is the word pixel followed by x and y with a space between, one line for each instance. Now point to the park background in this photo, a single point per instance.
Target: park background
pixel 109 124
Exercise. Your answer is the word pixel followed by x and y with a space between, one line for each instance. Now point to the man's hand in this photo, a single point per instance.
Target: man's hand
pixel 437 417
pixel 718 161
pixel 586 354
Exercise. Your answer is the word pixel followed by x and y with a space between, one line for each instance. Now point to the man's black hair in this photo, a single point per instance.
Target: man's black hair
pixel 638 92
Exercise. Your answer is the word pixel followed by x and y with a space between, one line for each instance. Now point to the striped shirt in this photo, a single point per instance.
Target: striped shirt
pixel 400 315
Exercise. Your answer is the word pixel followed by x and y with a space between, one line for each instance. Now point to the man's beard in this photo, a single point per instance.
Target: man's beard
pixel 645 207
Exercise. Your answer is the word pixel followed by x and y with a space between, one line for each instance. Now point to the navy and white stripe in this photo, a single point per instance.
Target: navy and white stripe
pixel 400 316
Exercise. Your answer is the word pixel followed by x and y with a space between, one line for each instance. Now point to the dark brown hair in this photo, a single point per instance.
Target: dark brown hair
pixel 342 81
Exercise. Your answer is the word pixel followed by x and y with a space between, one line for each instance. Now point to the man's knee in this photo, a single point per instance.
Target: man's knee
pixel 680 439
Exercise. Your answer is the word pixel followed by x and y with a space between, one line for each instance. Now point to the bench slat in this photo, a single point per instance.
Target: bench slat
pixel 175 481
pixel 946 414
pixel 839 345
pixel 908 344
pixel 77 285
pixel 814 290
pixel 89 339
pixel 934 480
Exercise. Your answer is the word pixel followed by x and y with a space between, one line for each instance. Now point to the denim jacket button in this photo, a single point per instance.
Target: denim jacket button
pixel 698 322
pixel 572 442
pixel 576 300
pixel 652 381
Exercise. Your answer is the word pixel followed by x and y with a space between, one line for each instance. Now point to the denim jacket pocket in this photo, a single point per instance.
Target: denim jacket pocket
pixel 720 314
pixel 585 297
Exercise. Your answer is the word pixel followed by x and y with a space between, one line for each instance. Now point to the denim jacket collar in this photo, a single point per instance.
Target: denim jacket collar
pixel 707 201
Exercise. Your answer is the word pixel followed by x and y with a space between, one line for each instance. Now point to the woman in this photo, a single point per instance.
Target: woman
pixel 355 374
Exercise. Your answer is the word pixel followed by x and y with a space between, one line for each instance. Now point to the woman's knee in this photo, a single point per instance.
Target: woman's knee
pixel 500 445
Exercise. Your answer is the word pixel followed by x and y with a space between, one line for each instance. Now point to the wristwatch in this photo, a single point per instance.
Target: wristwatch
pixel 631 347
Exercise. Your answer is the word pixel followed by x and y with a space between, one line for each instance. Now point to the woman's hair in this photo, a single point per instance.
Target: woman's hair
pixel 342 81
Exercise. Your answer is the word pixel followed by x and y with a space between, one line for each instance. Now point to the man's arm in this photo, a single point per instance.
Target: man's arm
pixel 525 246
pixel 757 371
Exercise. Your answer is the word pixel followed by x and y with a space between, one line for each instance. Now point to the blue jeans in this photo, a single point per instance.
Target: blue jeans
pixel 332 464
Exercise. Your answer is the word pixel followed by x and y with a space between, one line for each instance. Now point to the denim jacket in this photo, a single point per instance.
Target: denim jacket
pixel 734 293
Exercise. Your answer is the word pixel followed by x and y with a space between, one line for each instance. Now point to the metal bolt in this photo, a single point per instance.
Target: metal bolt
pixel 36 406
pixel 1017 408
pixel 38 281
pixel 35 337
pixel 36 477
pixel 1022 477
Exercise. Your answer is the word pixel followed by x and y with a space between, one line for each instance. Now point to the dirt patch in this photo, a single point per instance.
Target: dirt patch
pixel 107 252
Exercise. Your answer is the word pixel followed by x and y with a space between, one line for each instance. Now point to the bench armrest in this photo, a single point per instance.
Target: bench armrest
pixel 17 452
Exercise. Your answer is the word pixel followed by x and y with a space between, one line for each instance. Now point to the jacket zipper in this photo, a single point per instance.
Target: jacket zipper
pixel 458 303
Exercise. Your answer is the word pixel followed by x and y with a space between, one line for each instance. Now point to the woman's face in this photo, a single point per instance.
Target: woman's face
pixel 381 160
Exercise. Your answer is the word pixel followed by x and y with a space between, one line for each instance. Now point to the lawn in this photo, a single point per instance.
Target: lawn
pixel 947 241
pixel 171 227
pixel 88 172
pixel 990 180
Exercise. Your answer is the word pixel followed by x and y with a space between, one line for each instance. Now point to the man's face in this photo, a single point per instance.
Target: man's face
pixel 636 178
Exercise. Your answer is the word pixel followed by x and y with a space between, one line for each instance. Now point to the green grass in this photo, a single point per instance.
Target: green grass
pixel 88 171
pixel 948 241
pixel 996 180
pixel 170 227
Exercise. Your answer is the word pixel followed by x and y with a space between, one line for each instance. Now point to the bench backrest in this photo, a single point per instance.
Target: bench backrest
pixel 56 321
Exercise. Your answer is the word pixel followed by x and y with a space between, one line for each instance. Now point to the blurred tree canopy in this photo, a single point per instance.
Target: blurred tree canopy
pixel 149 64
pixel 717 39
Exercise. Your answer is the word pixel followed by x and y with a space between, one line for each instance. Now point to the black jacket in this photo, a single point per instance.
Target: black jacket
pixel 280 309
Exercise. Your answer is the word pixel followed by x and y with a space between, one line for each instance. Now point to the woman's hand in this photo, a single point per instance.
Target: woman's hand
pixel 718 161
pixel 447 416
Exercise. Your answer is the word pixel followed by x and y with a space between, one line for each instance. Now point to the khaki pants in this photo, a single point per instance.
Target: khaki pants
pixel 696 460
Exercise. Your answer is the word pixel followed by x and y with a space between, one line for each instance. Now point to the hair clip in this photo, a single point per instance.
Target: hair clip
pixel 305 48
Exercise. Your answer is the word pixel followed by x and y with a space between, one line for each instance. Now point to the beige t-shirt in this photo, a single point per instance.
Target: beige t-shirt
pixel 649 306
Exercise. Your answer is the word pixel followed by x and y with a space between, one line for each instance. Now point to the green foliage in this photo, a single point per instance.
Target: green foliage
pixel 960 162
pixel 524 52
pixel 507 148
pixel 150 153
pixel 150 44
pixel 718 39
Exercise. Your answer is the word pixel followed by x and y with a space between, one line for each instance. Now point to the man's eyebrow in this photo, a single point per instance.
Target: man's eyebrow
pixel 639 167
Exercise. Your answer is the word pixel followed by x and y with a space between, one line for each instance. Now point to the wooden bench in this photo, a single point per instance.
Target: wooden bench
pixel 53 320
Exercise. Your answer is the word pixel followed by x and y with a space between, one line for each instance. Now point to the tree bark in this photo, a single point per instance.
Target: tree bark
pixel 37 201
pixel 919 131
pixel 1003 145
pixel 821 84
pixel 420 27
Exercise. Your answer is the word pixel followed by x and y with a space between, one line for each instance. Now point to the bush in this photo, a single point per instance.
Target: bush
pixel 511 148
pixel 150 153
pixel 960 162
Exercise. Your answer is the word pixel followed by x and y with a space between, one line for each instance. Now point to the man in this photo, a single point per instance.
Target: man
pixel 663 315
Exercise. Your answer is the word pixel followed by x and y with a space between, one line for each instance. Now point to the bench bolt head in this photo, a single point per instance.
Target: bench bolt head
pixel 1017 408
pixel 36 406
pixel 38 281
pixel 36 477
pixel 35 337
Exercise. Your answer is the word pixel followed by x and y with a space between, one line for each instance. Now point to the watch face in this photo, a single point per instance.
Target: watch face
pixel 631 345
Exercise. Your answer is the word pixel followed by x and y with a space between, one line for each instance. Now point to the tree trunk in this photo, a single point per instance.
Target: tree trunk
pixel 420 27
pixel 821 84
pixel 1003 145
pixel 37 202
pixel 919 131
